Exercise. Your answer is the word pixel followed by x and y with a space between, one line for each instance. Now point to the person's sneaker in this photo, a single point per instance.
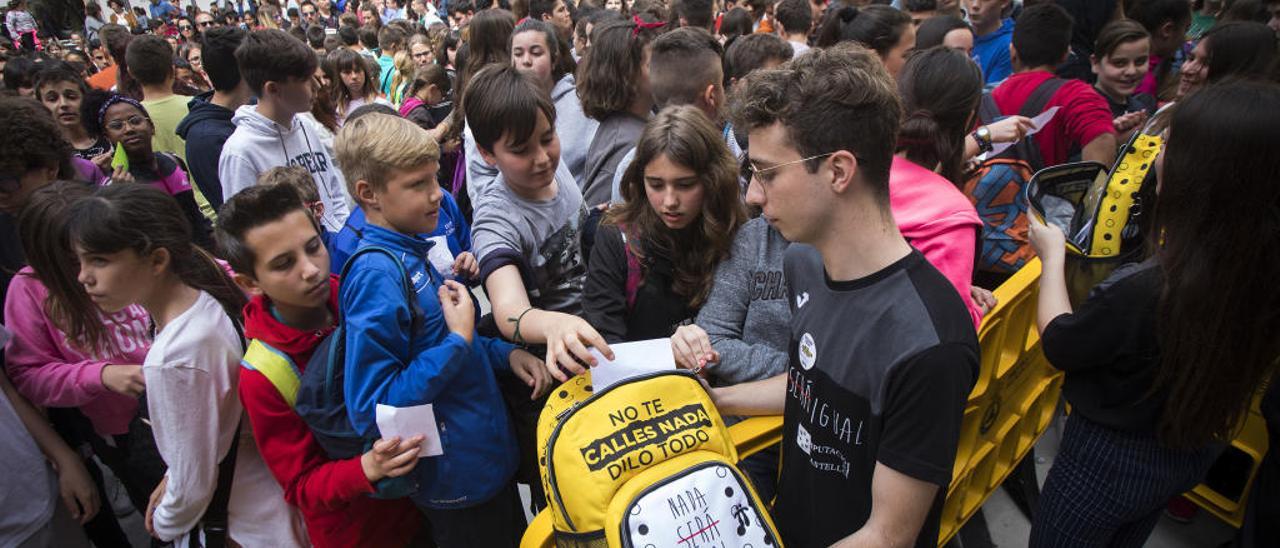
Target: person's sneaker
pixel 1181 510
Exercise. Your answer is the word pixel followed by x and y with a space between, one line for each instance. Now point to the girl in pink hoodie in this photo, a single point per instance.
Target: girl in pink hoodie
pixel 67 353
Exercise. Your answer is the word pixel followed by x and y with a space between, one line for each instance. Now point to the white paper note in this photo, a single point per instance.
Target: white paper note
pixel 631 359
pixel 1037 124
pixel 440 257
pixel 408 422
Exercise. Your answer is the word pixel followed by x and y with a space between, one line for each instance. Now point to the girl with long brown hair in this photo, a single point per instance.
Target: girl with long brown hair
pixel 134 247
pixel 68 352
pixel 356 84
pixel 655 255
pixel 1165 356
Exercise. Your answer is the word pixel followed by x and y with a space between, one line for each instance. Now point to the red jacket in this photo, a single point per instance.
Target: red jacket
pixel 332 495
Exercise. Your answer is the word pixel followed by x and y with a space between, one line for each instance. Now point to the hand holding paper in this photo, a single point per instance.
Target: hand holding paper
pixel 630 360
pixel 407 422
pixel 1037 124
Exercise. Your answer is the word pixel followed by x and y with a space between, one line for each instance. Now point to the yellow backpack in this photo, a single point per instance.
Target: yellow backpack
pixel 647 461
pixel 1106 215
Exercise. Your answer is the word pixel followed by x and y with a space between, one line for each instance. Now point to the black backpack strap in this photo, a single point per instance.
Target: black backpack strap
pixel 988 110
pixel 215 522
pixel 415 312
pixel 1028 149
pixel 1040 97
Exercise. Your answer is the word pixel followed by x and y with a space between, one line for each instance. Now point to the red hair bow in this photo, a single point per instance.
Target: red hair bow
pixel 641 25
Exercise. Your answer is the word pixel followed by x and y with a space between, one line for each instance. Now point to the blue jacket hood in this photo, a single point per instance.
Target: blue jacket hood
pixel 199 111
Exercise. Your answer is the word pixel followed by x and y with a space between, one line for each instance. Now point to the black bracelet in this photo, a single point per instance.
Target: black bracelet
pixel 515 336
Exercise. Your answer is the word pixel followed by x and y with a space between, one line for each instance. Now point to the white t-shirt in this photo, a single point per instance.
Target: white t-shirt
pixel 192 372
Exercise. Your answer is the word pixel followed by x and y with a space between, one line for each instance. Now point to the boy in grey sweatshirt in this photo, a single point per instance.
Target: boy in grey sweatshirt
pixel 278 69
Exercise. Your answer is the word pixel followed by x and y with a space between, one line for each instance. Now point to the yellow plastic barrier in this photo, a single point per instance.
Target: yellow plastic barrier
pixel 1252 443
pixel 1011 405
pixel 1009 409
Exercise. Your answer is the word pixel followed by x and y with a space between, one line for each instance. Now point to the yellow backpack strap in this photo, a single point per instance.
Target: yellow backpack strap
pixel 276 367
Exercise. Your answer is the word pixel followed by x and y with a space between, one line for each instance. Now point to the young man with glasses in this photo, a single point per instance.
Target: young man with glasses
pixel 883 352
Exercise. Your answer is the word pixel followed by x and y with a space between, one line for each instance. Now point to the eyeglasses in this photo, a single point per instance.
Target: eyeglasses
pixel 750 172
pixel 133 121
pixel 184 27
pixel 203 24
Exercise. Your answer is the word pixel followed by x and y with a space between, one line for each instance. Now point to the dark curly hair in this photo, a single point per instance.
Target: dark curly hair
pixel 89 107
pixel 30 138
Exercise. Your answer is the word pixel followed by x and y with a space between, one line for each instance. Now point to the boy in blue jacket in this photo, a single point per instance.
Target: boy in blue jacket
pixel 401 358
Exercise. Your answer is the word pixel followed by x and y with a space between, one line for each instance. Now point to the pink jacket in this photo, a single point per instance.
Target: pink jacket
pixel 936 218
pixel 51 372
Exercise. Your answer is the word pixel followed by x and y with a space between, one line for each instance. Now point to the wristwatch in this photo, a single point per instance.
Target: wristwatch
pixel 983 137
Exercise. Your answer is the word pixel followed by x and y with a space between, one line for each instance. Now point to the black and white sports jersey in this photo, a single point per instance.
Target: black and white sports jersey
pixel 880 370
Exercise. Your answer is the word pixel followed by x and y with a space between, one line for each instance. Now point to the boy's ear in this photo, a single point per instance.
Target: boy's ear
pixel 489 157
pixel 1013 56
pixel 270 87
pixel 709 98
pixel 844 166
pixel 366 196
pixel 248 284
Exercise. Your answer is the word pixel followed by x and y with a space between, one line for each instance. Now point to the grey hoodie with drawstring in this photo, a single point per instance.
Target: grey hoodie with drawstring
pixel 259 144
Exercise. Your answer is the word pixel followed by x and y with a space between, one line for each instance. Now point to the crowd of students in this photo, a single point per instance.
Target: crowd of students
pixel 190 198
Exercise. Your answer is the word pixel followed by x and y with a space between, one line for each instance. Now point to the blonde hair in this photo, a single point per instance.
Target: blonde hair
pixel 267 17
pixel 294 176
pixel 405 68
pixel 370 146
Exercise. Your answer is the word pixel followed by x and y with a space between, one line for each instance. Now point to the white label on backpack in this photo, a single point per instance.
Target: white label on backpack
pixel 707 507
